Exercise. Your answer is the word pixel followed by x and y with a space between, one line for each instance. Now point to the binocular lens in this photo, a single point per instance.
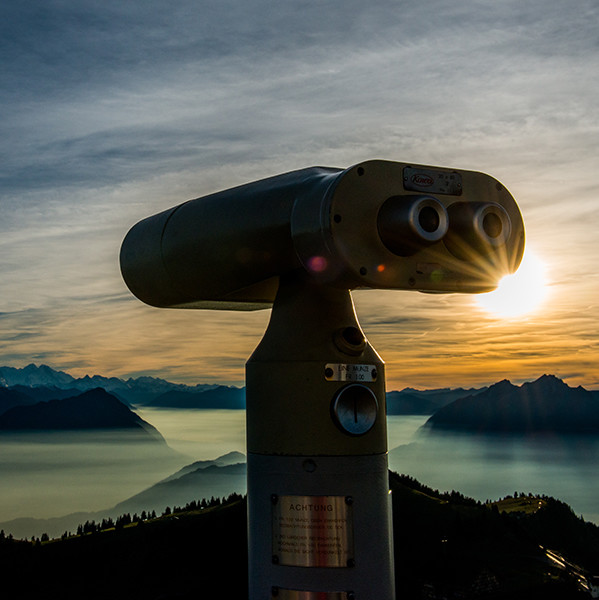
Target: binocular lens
pixel 407 224
pixel 476 228
pixel 492 225
pixel 428 219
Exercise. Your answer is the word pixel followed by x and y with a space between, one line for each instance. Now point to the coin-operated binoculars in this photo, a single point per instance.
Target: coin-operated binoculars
pixel 318 493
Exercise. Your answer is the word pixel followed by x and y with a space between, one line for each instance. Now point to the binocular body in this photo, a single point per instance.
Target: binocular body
pixel 378 224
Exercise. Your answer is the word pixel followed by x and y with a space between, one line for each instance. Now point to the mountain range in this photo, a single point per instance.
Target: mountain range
pixel 425 402
pixel 19 386
pixel 140 390
pixel 546 405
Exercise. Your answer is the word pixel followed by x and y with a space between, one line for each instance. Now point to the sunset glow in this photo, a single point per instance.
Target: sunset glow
pixel 131 110
pixel 518 294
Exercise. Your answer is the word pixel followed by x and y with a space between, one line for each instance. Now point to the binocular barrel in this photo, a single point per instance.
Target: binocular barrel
pixel 378 224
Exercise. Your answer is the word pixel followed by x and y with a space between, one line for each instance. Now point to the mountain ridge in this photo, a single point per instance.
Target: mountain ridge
pixel 546 405
pixel 91 410
pixel 43 382
pixel 132 390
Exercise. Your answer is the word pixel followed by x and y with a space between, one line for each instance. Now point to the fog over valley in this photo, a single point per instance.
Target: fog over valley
pixel 166 455
pixel 50 474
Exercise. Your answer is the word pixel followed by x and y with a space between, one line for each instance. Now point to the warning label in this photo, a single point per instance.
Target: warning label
pixel 312 531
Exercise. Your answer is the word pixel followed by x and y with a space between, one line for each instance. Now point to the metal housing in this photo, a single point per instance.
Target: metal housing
pixel 228 250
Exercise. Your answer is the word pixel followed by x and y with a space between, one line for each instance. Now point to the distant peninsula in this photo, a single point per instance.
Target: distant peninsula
pixel 221 396
pixel 547 405
pixel 95 409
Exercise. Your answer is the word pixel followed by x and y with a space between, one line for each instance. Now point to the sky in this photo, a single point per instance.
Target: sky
pixel 112 111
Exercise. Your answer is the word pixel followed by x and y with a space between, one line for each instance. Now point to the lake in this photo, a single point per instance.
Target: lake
pixel 57 474
pixel 490 467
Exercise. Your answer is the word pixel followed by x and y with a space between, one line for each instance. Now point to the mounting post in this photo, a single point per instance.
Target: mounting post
pixel 319 510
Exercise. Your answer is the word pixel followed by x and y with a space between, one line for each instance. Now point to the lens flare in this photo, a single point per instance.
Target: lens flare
pixel 317 264
pixel 519 294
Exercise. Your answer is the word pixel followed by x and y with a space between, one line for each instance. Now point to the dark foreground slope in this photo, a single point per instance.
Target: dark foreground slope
pixel 449 546
pixel 185 555
pixel 446 546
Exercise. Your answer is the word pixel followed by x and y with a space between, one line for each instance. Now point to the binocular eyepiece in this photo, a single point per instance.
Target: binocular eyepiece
pixel 407 224
pixel 378 224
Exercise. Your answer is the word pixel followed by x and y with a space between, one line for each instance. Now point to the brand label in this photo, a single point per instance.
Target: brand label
pixel 420 179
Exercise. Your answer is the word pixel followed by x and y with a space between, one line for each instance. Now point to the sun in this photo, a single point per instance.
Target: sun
pixel 518 294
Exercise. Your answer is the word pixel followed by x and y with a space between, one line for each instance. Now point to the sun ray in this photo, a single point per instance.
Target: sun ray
pixel 519 294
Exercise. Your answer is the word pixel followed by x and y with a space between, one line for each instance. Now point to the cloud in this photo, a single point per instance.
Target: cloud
pixel 133 91
pixel 115 111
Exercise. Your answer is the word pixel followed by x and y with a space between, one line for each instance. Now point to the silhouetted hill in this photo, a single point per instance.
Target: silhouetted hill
pixel 203 482
pixel 231 458
pixel 95 409
pixel 451 546
pixel 218 397
pixel 10 397
pixel 424 402
pixel 187 555
pixel 446 546
pixel 544 405
pixel 32 395
pixel 43 393
pixel 202 479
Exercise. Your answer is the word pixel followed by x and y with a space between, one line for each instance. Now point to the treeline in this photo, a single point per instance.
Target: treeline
pixel 457 498
pixel 445 546
pixel 454 496
pixel 126 519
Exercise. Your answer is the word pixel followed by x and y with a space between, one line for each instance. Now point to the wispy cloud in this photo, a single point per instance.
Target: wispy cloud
pixel 114 111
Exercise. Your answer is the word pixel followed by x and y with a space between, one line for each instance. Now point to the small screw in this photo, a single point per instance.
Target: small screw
pixel 351 562
pixel 360 171
pixel 328 372
pixel 309 466
pixel 374 373
pixel 349 500
pixel 274 590
pixel 274 498
pixel 275 559
pixel 351 596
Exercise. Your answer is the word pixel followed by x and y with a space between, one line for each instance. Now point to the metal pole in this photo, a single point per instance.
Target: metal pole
pixel 319 508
